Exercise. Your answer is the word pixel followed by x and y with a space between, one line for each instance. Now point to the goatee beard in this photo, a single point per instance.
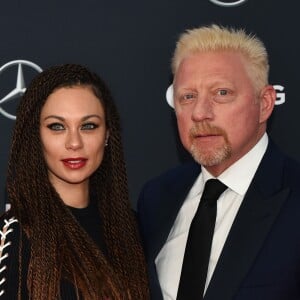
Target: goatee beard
pixel 209 157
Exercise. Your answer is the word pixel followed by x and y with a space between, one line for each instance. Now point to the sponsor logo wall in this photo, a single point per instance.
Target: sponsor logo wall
pixel 19 89
pixel 130 44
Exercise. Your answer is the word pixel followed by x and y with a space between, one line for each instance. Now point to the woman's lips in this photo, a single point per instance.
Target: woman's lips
pixel 74 163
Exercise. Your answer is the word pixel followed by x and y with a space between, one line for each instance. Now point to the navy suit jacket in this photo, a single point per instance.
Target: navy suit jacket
pixel 261 256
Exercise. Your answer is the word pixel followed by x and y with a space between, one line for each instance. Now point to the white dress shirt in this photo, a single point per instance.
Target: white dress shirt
pixel 238 178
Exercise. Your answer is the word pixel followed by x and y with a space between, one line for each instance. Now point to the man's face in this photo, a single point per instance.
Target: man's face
pixel 220 115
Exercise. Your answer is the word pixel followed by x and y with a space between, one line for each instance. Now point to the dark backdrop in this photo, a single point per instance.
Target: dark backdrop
pixel 130 44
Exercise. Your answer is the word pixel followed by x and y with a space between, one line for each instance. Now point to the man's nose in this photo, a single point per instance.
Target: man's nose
pixel 203 109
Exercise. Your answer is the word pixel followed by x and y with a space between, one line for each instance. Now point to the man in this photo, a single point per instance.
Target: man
pixel 222 102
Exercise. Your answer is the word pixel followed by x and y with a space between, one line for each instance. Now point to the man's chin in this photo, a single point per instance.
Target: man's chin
pixel 212 158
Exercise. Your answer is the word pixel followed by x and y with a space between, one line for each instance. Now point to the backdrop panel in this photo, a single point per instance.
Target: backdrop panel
pixel 130 43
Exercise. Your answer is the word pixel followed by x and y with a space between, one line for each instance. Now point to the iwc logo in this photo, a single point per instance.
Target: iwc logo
pixel 12 73
pixel 228 3
pixel 280 99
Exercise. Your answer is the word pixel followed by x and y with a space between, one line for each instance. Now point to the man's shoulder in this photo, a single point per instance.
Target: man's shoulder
pixel 292 172
pixel 187 170
pixel 290 165
pixel 278 166
pixel 170 185
pixel 161 198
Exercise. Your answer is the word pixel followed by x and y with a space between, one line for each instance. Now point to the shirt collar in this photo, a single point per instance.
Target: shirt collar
pixel 245 168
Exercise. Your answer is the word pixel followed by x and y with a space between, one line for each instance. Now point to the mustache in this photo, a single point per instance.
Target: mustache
pixel 205 128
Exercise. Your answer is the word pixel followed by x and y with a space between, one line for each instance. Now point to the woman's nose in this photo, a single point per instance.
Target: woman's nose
pixel 74 140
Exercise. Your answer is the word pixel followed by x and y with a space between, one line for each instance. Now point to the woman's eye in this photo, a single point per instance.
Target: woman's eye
pixel 56 126
pixel 89 126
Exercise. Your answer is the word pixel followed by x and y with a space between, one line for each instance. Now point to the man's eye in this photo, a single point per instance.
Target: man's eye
pixel 56 126
pixel 89 126
pixel 222 92
pixel 223 96
pixel 189 96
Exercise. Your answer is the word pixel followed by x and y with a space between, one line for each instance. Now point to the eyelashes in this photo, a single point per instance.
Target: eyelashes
pixel 56 126
pixel 60 127
pixel 89 126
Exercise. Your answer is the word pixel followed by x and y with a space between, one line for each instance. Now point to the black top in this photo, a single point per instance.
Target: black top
pixel 88 218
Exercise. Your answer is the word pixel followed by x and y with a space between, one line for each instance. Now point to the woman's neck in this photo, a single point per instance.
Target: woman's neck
pixel 74 195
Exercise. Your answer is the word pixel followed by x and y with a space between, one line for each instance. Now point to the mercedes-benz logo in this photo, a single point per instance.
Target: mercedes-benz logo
pixel 20 87
pixel 228 3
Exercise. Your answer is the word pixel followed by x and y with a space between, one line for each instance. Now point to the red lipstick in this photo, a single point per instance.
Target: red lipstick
pixel 74 163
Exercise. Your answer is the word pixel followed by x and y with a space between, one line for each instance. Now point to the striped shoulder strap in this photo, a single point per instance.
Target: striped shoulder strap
pixel 5 231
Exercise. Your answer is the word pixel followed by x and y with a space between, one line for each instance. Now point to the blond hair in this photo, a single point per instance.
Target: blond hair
pixel 217 38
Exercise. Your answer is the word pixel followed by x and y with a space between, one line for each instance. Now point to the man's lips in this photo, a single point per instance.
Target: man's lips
pixel 206 138
pixel 74 163
pixel 206 132
pixel 206 135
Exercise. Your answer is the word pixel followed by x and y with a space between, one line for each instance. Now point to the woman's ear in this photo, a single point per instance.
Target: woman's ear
pixel 106 138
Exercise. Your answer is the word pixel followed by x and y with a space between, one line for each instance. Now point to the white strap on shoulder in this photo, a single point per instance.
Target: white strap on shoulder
pixel 4 243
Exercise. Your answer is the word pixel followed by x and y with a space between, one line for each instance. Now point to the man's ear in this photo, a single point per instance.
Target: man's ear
pixel 267 101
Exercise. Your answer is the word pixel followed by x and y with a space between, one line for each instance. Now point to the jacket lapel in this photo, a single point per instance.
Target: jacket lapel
pixel 174 195
pixel 170 199
pixel 254 220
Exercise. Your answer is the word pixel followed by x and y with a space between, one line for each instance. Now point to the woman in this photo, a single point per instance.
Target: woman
pixel 70 233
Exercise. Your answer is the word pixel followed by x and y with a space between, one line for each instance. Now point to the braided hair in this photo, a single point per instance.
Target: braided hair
pixel 60 248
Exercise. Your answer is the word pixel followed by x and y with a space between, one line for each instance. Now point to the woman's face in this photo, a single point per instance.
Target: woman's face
pixel 73 134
